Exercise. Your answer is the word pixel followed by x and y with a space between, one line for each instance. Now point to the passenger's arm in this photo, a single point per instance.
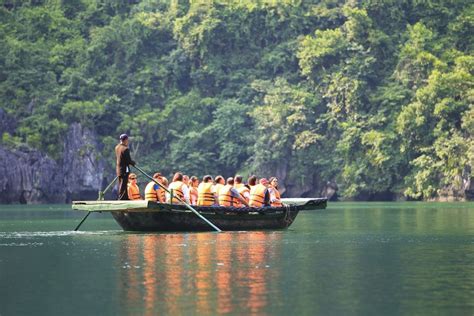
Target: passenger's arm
pixel 272 195
pixel 236 194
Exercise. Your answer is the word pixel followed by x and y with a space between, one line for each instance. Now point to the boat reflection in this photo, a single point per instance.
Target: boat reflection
pixel 202 273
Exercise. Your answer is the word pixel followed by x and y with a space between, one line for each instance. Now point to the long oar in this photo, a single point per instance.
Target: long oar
pixel 101 197
pixel 178 198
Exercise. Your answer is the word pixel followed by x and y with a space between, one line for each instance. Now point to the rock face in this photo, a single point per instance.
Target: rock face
pixel 29 176
pixel 82 166
pixel 313 189
pixel 317 187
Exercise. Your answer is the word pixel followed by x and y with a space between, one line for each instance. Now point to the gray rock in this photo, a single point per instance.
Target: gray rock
pixel 304 187
pixel 29 176
pixel 83 166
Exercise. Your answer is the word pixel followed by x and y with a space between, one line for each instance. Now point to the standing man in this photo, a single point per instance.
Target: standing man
pixel 123 161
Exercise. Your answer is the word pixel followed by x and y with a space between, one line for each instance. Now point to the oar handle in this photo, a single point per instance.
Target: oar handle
pixel 102 193
pixel 179 199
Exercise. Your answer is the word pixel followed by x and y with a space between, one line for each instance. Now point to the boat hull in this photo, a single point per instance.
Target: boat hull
pixel 140 215
pixel 188 221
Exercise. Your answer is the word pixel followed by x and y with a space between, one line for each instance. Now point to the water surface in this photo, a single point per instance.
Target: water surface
pixel 353 258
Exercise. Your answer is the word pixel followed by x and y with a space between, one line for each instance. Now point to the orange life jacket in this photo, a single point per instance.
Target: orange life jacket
pixel 177 188
pixel 133 192
pixel 161 195
pixel 226 198
pixel 257 195
pixel 241 188
pixel 193 192
pixel 205 194
pixel 150 193
pixel 276 203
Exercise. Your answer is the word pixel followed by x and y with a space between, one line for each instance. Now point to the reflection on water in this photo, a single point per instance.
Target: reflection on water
pixel 207 272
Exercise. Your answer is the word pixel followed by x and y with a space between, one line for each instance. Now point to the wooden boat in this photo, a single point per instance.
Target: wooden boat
pixel 154 216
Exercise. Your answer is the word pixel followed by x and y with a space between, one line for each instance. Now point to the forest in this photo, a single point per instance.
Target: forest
pixel 374 95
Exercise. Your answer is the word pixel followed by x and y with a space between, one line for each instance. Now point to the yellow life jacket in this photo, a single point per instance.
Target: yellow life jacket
pixel 226 198
pixel 257 195
pixel 133 192
pixel 150 193
pixel 217 188
pixel 177 188
pixel 205 194
pixel 241 188
pixel 276 203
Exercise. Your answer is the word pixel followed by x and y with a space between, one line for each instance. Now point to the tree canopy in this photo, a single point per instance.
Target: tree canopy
pixel 374 95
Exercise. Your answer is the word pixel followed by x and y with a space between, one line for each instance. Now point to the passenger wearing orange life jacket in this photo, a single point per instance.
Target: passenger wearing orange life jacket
pixel 206 194
pixel 220 182
pixel 259 194
pixel 229 196
pixel 242 188
pixel 193 191
pixel 132 188
pixel 180 190
pixel 153 192
pixel 275 199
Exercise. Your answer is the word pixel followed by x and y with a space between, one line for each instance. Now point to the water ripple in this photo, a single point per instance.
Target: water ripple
pixel 28 234
pixel 23 244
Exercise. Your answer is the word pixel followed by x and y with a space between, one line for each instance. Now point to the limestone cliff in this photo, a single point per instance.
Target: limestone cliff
pixel 316 187
pixel 82 165
pixel 30 176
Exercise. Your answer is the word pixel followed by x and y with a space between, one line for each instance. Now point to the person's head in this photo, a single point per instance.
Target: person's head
pixel 230 181
pixel 185 178
pixel 164 181
pixel 193 181
pixel 273 182
pixel 238 179
pixel 157 176
pixel 124 139
pixel 220 179
pixel 252 180
pixel 263 181
pixel 132 178
pixel 178 176
pixel 207 178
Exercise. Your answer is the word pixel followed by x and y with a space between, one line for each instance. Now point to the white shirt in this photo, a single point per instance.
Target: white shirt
pixel 186 194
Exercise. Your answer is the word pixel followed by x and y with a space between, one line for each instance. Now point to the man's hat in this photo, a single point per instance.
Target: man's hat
pixel 123 137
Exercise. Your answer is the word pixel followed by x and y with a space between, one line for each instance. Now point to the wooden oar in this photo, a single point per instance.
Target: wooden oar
pixel 177 197
pixel 101 197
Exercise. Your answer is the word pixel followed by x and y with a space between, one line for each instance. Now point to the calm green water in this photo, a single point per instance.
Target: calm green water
pixel 357 258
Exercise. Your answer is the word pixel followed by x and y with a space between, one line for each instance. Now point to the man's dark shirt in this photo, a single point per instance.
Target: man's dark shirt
pixel 123 159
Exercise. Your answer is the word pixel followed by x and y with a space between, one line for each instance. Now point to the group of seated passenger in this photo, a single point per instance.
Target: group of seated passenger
pixel 210 192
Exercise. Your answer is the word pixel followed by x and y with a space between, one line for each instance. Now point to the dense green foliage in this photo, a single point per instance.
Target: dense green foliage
pixel 377 96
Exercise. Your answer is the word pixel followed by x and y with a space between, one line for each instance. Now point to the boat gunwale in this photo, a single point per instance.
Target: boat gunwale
pixel 152 206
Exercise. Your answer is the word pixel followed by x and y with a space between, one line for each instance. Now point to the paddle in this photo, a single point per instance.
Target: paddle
pixel 100 198
pixel 177 197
